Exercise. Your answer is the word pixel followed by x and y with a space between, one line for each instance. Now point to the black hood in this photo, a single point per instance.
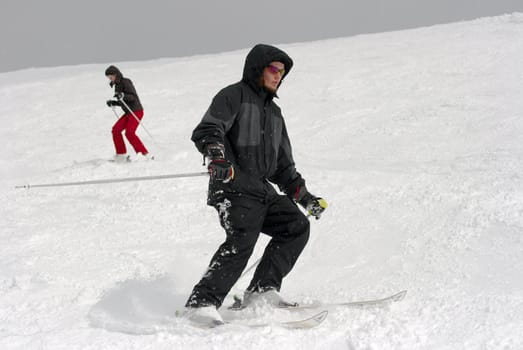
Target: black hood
pixel 113 70
pixel 258 58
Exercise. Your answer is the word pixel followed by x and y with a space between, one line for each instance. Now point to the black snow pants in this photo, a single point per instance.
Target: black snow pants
pixel 243 219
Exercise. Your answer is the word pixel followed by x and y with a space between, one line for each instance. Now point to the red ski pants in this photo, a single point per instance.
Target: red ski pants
pixel 128 123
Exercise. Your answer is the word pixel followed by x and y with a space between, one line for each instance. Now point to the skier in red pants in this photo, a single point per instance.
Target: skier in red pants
pixel 128 100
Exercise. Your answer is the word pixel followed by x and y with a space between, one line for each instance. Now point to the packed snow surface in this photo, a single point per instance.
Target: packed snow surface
pixel 413 137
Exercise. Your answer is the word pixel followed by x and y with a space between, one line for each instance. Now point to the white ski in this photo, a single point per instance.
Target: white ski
pixel 237 306
pixel 304 323
pixel 354 304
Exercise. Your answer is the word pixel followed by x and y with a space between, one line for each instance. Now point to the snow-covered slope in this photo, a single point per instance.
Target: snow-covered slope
pixel 414 138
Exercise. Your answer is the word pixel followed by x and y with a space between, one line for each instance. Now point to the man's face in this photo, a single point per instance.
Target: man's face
pixel 112 77
pixel 272 75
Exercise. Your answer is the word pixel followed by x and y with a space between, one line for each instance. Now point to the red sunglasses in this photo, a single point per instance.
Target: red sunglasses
pixel 274 69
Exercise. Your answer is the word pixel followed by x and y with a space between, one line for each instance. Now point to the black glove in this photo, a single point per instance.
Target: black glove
pixel 315 206
pixel 119 95
pixel 111 103
pixel 220 169
pixel 214 151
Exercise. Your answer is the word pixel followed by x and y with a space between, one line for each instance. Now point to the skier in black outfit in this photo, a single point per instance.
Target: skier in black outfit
pixel 244 137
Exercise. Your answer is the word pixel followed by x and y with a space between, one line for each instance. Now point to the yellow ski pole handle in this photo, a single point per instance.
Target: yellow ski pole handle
pixel 323 205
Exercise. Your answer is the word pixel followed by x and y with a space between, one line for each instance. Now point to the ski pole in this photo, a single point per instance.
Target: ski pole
pixel 254 264
pixel 138 120
pixel 106 181
pixel 114 111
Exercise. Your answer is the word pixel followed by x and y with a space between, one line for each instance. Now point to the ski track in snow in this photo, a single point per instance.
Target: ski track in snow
pixel 413 137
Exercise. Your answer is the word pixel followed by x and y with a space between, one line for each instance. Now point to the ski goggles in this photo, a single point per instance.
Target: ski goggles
pixel 274 69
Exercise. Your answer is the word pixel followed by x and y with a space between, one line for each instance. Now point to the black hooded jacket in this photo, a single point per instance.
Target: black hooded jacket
pixel 126 86
pixel 245 119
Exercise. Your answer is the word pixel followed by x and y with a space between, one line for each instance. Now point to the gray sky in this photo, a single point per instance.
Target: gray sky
pixel 36 33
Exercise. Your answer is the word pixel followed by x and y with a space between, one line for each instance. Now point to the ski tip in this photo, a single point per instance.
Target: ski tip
pixel 310 322
pixel 321 316
pixel 399 296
